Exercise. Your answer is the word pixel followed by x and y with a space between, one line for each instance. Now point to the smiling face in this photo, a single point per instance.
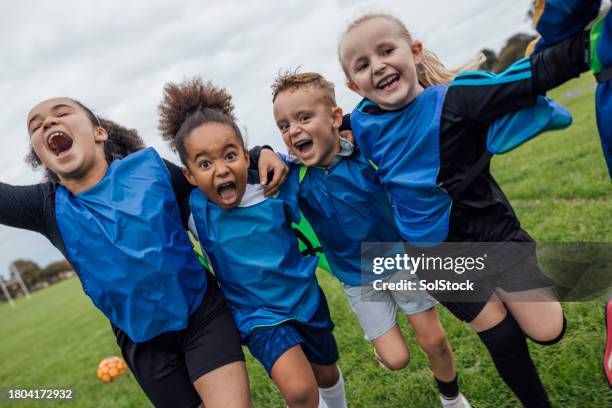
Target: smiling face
pixel 380 63
pixel 64 138
pixel 309 127
pixel 217 163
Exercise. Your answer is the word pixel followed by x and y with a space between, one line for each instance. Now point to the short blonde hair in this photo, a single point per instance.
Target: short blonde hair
pixel 291 81
pixel 429 72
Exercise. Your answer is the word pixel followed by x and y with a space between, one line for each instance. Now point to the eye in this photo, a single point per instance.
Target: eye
pixel 62 114
pixel 387 51
pixel 35 127
pixel 231 156
pixel 305 118
pixel 361 66
pixel 204 164
pixel 283 127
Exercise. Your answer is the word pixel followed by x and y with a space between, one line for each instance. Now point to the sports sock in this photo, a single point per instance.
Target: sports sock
pixel 334 396
pixel 508 348
pixel 448 390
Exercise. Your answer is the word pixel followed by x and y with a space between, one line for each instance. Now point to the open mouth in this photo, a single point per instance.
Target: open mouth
pixel 387 82
pixel 227 192
pixel 59 143
pixel 304 146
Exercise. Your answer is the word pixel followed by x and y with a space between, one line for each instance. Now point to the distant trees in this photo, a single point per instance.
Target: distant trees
pixel 511 52
pixel 36 277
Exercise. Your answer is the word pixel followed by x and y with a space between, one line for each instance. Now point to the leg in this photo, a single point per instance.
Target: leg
pixel 226 386
pixel 392 350
pixel 213 355
pixel 432 339
pixel 158 366
pixel 378 319
pixel 542 321
pixel 506 343
pixel 320 349
pixel 326 375
pixel 295 379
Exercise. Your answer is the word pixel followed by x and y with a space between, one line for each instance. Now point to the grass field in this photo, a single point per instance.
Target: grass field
pixel 558 186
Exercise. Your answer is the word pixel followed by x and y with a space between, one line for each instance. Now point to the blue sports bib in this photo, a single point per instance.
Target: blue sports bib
pixel 125 239
pixel 255 256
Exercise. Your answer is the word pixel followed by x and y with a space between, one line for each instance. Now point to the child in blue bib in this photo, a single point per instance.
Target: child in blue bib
pixel 346 205
pixel 272 290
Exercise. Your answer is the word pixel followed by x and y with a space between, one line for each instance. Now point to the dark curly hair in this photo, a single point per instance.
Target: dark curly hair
pixel 121 142
pixel 190 104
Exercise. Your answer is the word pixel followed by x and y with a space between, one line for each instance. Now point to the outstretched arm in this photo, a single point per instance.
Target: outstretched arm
pixel 23 206
pixel 483 97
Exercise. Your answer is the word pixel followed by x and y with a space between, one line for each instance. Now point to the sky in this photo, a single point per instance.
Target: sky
pixel 116 56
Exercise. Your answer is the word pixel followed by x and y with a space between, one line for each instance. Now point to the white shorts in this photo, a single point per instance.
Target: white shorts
pixel 377 309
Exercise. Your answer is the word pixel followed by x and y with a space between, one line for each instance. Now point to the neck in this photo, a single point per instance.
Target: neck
pixel 85 182
pixel 329 157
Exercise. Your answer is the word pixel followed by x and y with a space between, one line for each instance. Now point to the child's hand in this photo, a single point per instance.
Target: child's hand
pixel 269 162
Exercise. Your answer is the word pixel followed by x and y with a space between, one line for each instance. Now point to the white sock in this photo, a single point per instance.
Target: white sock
pixel 334 396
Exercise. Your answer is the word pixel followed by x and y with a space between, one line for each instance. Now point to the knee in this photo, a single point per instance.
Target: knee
pixel 300 394
pixel 327 378
pixel 396 361
pixel 550 334
pixel 435 344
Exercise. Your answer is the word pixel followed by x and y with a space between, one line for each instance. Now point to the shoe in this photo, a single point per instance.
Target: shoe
pixel 459 402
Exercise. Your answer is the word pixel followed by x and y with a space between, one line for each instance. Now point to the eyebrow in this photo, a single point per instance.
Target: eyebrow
pixel 54 108
pixel 204 153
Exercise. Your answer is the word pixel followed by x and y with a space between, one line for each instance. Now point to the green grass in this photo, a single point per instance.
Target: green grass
pixel 560 189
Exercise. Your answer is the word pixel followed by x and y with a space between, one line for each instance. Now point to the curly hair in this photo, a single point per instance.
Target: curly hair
pixel 293 80
pixel 190 104
pixel 121 142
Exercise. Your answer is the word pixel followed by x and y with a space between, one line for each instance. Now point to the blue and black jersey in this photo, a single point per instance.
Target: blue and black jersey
pixel 426 149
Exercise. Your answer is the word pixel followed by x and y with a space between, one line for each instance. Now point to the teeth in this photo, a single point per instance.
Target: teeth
pixel 301 142
pixel 387 81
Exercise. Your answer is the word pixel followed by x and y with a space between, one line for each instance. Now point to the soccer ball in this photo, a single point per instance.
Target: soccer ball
pixel 111 368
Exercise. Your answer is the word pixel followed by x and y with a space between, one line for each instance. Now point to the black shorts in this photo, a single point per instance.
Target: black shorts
pixel 167 365
pixel 520 275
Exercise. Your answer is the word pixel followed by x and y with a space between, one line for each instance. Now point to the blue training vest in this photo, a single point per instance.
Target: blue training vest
pixel 256 259
pixel 405 146
pixel 125 239
pixel 347 205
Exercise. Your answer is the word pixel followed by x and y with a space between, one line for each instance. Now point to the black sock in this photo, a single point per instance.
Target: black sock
pixel 449 390
pixel 508 347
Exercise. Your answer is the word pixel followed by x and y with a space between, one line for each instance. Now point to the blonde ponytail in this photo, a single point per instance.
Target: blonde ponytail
pixel 431 71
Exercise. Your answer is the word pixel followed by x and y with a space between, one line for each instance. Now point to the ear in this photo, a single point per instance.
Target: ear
pixel 100 134
pixel 189 176
pixel 247 156
pixel 336 113
pixel 353 87
pixel 417 51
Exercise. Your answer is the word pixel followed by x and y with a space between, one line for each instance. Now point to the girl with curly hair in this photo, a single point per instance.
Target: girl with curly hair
pixel 280 311
pixel 115 211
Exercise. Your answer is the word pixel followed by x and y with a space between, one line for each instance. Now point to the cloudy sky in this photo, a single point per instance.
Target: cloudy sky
pixel 116 56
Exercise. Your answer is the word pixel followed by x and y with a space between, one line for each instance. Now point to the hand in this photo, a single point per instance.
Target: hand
pixel 270 162
pixel 348 135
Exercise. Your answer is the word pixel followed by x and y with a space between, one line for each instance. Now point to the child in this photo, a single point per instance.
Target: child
pixel 346 205
pixel 272 290
pixel 127 242
pixel 426 138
